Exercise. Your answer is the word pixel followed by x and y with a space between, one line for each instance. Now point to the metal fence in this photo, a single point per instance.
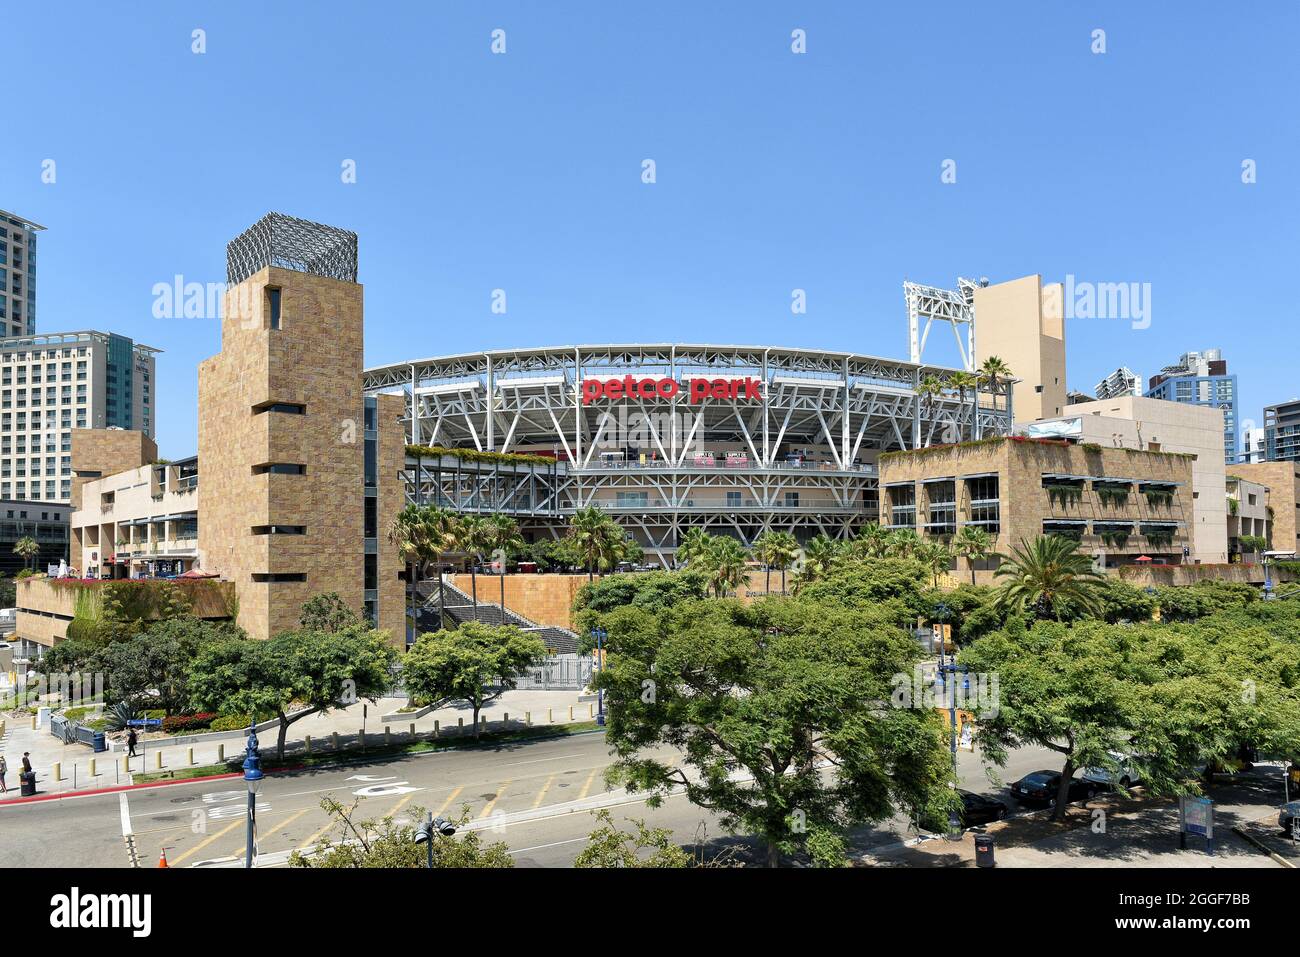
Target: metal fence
pixel 70 732
pixel 558 673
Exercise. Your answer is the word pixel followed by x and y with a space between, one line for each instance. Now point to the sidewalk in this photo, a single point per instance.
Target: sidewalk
pixel 1128 833
pixel 74 760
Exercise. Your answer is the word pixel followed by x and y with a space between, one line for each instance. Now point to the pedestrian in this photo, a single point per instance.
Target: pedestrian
pixel 27 762
pixel 130 743
pixel 4 768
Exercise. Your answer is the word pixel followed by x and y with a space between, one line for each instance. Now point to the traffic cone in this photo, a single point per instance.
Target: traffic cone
pixel 162 858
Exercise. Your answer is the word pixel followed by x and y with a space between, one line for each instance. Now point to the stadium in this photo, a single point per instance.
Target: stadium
pixel 668 437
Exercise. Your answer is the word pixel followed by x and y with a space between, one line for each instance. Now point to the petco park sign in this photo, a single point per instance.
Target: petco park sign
pixel 694 390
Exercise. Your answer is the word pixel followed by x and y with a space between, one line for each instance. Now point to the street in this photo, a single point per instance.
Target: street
pixel 203 823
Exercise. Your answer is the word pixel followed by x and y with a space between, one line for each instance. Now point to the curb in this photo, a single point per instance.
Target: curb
pixel 1262 847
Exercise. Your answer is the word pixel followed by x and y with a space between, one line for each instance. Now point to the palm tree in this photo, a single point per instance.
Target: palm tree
pixel 928 389
pixel 965 382
pixel 972 543
pixel 501 534
pixel 785 553
pixel 764 549
pixel 422 535
pixel 27 549
pixel 596 538
pixel 903 543
pixel 819 555
pixel 1049 576
pixel 472 538
pixel 725 563
pixel 935 556
pixel 693 544
pixel 872 541
pixel 995 372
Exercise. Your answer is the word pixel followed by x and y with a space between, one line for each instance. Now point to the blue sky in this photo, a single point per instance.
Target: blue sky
pixel 775 171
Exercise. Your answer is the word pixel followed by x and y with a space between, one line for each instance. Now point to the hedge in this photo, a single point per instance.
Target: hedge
pixel 474 455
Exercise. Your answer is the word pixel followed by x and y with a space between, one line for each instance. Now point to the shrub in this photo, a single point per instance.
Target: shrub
pixel 229 722
pixel 184 723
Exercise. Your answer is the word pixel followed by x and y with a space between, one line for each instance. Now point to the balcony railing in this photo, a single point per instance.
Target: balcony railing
pixel 733 465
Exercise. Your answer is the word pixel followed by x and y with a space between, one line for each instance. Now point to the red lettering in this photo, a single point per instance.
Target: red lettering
pixel 699 390
pixel 667 388
pixel 590 391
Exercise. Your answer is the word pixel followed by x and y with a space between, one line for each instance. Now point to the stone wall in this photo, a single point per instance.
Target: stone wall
pixel 391 499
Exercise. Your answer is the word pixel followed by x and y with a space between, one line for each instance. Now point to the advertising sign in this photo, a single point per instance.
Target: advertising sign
pixel 694 391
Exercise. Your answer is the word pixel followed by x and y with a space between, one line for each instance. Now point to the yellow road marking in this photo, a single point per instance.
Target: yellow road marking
pixel 542 793
pixel 204 843
pixel 587 787
pixel 287 821
pixel 399 805
pixel 311 841
pixel 447 803
pixel 493 803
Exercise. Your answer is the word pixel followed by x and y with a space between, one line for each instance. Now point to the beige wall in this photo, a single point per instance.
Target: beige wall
pixel 545 599
pixel 1022 322
pixel 1283 481
pixel 1025 503
pixel 313 359
pixel 1139 423
pixel 45 608
pixel 107 451
pixel 391 498
pixel 148 492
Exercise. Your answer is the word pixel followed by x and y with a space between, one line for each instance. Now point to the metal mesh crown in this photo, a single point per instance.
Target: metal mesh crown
pixel 291 243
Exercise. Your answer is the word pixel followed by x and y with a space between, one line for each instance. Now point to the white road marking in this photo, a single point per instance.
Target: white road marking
pixel 542 847
pixel 126 814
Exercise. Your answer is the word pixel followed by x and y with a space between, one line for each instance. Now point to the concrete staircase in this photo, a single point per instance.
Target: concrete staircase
pixel 460 608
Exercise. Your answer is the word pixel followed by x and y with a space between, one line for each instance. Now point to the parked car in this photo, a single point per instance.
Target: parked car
pixel 980 809
pixel 1039 787
pixel 1104 779
pixel 1286 818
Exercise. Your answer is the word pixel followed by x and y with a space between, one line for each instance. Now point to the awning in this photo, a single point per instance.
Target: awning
pixel 981 475
pixel 945 478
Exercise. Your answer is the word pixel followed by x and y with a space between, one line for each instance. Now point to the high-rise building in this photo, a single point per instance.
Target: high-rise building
pixel 52 384
pixel 1123 381
pixel 1253 447
pixel 1201 378
pixel 1282 432
pixel 1022 322
pixel 17 275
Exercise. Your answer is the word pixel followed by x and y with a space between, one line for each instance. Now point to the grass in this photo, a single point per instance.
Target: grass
pixel 456 741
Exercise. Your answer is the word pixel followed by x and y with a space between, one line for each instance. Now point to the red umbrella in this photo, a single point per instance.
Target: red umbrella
pixel 1143 558
pixel 195 573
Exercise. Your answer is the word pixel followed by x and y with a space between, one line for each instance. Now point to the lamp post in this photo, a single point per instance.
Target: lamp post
pixel 425 833
pixel 954 824
pixel 253 779
pixel 1268 578
pixel 600 635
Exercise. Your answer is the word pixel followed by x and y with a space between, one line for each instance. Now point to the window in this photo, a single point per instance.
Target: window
pixel 791 499
pixel 733 500
pixel 276 577
pixel 279 468
pixel 273 306
pixel 288 408
pixel 279 529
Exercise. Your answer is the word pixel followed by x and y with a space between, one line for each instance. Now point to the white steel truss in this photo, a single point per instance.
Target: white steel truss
pixel 933 304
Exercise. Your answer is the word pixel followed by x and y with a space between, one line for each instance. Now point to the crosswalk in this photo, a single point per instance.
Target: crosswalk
pixel 213 831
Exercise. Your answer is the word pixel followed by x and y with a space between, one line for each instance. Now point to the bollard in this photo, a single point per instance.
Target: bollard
pixel 570 712
pixel 388 737
pixel 189 756
pixel 157 759
pixel 336 740
pixel 2 729
pixel 506 717
pixel 550 716
pixel 306 740
pixel 482 722
pixel 528 718
pixel 412 730
pixel 435 728
pixel 33 722
pixel 221 753
pixel 92 767
pixel 58 771
pixel 126 765
pixel 460 723
pixel 591 711
pixel 361 737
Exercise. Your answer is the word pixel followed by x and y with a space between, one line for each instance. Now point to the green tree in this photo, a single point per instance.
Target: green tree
pixel 929 389
pixel 503 541
pixel 777 550
pixel 692 545
pixel 152 669
pixel 314 671
pixel 388 844
pixel 466 664
pixel 1050 577
pixel 872 541
pixel 776 710
pixel 935 556
pixel 972 543
pixel 423 535
pixel 27 549
pixel 327 612
pixel 472 534
pixel 903 543
pixel 597 539
pixel 651 847
pixel 894 587
pixel 994 373
pixel 820 554
pixel 968 382
pixel 724 564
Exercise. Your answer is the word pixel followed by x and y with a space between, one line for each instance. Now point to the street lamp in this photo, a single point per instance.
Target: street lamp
pixel 954 824
pixel 424 834
pixel 253 779
pixel 600 635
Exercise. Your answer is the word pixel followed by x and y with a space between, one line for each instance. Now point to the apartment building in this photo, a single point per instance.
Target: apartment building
pixel 1119 504
pixel 1249 513
pixel 1022 322
pixel 53 384
pixel 1202 378
pixel 17 275
pixel 1282 432
pixel 1123 381
pixel 1283 482
pixel 46 523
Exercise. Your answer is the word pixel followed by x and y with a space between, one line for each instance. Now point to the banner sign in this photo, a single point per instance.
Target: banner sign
pixel 695 391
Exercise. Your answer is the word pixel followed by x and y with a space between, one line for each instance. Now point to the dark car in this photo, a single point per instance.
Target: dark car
pixel 1040 787
pixel 979 809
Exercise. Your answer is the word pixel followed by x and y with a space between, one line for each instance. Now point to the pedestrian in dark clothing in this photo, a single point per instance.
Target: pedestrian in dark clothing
pixel 4 769
pixel 27 762
pixel 130 743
